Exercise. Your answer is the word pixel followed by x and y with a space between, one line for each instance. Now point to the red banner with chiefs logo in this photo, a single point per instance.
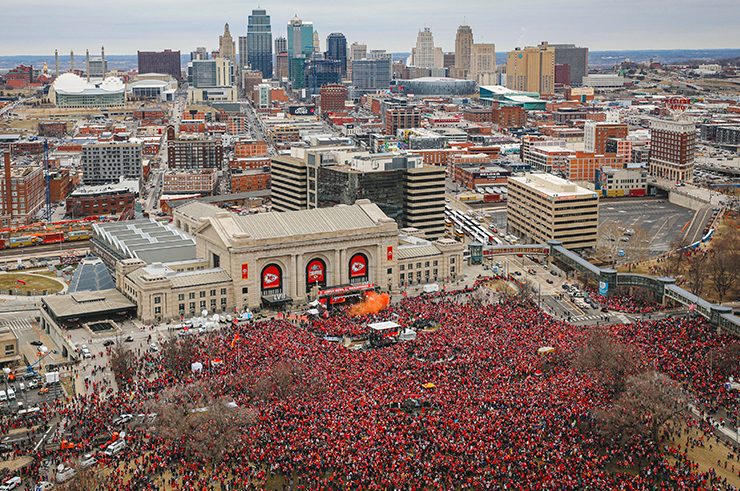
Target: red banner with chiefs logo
pixel 389 254
pixel 271 277
pixel 245 271
pixel 316 271
pixel 358 266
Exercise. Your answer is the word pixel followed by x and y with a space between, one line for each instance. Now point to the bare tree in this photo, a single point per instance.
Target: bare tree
pixel 122 364
pixel 638 247
pixel 675 262
pixel 607 243
pixel 649 401
pixel 177 355
pixel 84 481
pixel 279 381
pixel 725 359
pixel 696 272
pixel 724 263
pixel 199 426
pixel 610 361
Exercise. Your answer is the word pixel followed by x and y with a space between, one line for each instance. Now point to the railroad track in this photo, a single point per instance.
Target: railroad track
pixel 44 250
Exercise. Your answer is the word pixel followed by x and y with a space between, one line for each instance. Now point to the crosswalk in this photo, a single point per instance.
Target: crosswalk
pixel 584 318
pixel 17 325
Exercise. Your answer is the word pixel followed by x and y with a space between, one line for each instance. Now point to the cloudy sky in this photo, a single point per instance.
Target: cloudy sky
pixel 125 26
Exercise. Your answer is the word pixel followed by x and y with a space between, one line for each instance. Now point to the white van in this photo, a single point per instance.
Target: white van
pixel 3 396
pixel 11 394
pixel 115 447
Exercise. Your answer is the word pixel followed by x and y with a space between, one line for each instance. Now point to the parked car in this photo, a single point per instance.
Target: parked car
pixel 88 460
pixel 108 342
pixel 43 486
pixel 11 483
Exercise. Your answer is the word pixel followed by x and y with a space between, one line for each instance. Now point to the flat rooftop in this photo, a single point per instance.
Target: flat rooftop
pixel 552 186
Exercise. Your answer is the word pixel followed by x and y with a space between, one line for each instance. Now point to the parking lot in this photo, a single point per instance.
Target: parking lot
pixel 664 222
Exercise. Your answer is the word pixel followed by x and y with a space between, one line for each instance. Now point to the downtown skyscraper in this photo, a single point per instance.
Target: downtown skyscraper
pixel 336 49
pixel 259 42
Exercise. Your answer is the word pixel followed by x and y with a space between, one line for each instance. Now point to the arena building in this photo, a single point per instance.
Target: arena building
pixel 434 86
pixel 72 91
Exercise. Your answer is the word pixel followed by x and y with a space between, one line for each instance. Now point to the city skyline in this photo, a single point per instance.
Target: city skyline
pixel 142 25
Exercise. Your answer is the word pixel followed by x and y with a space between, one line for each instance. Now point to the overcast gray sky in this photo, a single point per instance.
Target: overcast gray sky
pixel 125 26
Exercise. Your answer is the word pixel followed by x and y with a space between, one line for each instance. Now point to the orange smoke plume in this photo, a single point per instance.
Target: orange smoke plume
pixel 372 304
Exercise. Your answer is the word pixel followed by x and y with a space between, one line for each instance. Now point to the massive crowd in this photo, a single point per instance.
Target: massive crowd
pixel 468 405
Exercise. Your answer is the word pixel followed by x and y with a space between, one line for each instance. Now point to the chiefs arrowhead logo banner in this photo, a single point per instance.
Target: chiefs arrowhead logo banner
pixel 316 271
pixel 271 277
pixel 390 253
pixel 358 266
pixel 245 271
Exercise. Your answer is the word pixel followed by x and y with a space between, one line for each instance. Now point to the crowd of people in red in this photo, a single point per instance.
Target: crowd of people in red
pixel 631 304
pixel 468 405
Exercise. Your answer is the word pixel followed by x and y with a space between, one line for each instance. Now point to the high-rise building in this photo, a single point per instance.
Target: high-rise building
pixel 371 74
pixel 194 153
pixel 107 162
pixel 226 46
pixel 21 192
pixel 316 43
pixel 200 53
pixel 333 98
pixel 672 147
pixel 322 72
pixel 300 38
pixel 596 133
pixel 357 51
pixel 289 186
pixel 259 42
pixel 381 54
pixel 166 61
pixel 575 58
pixel 483 64
pixel 336 49
pixel 463 51
pixel 425 54
pixel 543 207
pixel 243 58
pixel 532 69
pixel 281 45
pixel 281 66
pixel 211 80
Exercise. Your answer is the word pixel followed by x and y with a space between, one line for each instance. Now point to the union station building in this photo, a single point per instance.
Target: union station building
pixel 276 259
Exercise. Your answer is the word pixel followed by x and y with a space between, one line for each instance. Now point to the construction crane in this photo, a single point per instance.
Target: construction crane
pixel 47 179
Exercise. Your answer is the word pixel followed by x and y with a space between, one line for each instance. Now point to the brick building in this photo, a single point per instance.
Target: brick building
pixel 672 146
pixel 583 166
pixel 194 153
pixel 53 129
pixel 201 181
pixel 401 117
pixel 596 134
pixel 250 148
pixel 60 184
pixel 166 61
pixel 250 180
pixel 472 175
pixel 508 116
pixel 107 199
pixel 249 163
pixel 478 115
pixel 333 97
pixel 22 192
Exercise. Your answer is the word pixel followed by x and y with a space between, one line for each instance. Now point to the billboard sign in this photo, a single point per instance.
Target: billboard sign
pixel 309 110
pixel 272 277
pixel 358 266
pixel 316 271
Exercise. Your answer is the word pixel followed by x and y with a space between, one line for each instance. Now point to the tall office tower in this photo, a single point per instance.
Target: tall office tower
pixel 425 54
pixel 357 51
pixel 300 48
pixel 483 64
pixel 316 43
pixel 281 45
pixel 532 69
pixel 672 147
pixel 226 46
pixel 322 72
pixel 281 66
pixel 575 58
pixel 211 80
pixel 381 54
pixel 166 61
pixel 259 42
pixel 300 38
pixel 371 75
pixel 243 58
pixel 336 49
pixel 463 51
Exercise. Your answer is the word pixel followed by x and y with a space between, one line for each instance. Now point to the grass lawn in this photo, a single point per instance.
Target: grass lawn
pixel 9 281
